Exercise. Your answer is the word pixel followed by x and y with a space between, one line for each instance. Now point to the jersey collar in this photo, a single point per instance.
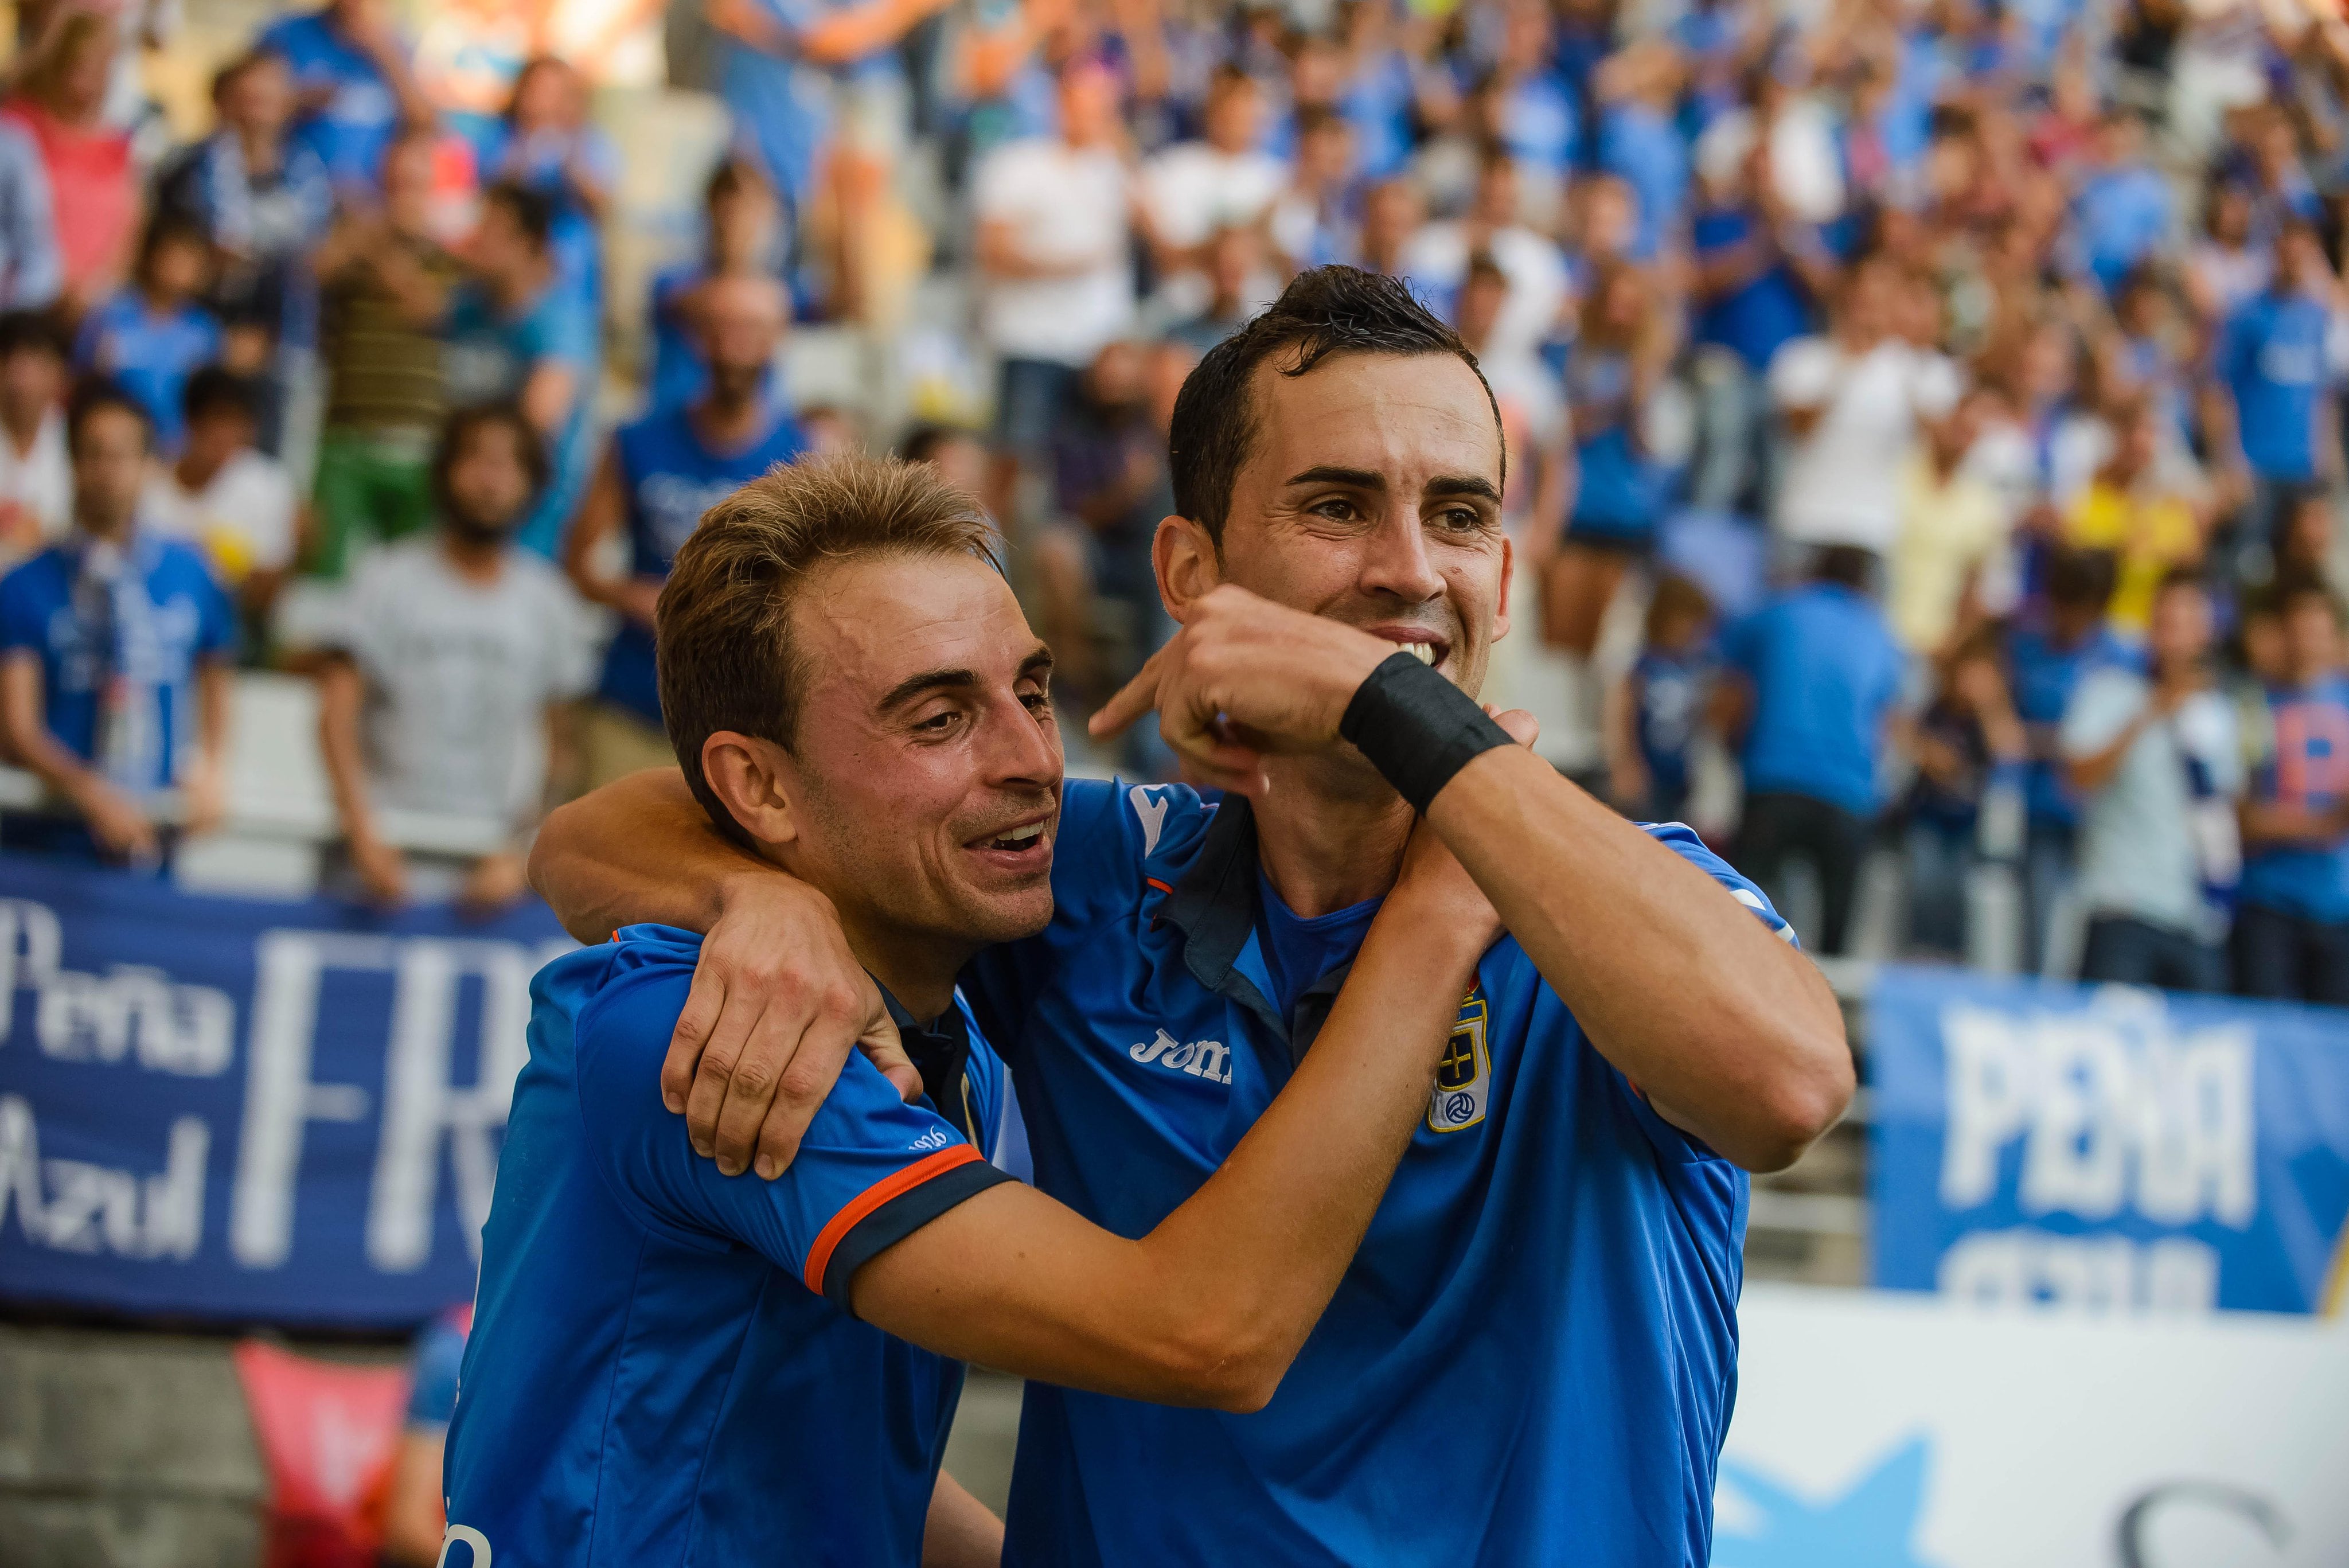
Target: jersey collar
pixel 1213 905
pixel 940 1052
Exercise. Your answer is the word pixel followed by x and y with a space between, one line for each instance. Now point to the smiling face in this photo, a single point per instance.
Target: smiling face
pixel 1370 495
pixel 924 774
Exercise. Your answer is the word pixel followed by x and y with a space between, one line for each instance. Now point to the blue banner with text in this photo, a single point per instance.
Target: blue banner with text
pixel 2108 1148
pixel 245 1111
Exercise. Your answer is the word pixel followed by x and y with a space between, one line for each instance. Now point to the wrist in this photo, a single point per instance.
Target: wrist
pixel 762 885
pixel 1417 728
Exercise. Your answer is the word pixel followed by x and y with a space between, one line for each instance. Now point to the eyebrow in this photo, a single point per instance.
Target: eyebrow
pixel 1443 487
pixel 1449 485
pixel 1359 478
pixel 929 680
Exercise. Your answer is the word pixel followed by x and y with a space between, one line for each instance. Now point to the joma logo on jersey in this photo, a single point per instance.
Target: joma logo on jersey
pixel 1204 1059
pixel 1463 1078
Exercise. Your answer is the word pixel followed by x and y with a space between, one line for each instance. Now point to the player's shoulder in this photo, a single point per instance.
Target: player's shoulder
pixel 1683 841
pixel 1114 833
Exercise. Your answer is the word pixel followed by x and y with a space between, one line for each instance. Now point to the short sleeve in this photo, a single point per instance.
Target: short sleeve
pixel 272 526
pixel 216 632
pixel 2099 710
pixel 571 663
pixel 1677 1148
pixel 365 615
pixel 23 619
pixel 870 1172
pixel 1683 842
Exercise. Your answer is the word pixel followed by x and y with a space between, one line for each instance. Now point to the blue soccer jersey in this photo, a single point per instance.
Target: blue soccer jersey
pixel 670 478
pixel 663 1367
pixel 1532 1358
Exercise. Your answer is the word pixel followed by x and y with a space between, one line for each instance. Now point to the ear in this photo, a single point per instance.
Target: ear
pixel 752 779
pixel 1186 563
pixel 1509 573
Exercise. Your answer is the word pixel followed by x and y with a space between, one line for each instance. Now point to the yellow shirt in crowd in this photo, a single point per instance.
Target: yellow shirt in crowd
pixel 1946 531
pixel 2147 535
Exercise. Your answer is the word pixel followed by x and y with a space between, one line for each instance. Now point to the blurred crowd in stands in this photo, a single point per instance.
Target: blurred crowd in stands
pixel 1922 416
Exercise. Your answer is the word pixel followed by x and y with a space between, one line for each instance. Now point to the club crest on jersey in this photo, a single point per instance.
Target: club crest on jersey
pixel 1463 1079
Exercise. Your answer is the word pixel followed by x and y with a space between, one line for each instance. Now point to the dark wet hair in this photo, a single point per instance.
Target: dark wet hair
pixel 1327 310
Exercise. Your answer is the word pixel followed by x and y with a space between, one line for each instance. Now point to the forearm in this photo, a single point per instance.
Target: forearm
pixel 339 697
pixel 2271 824
pixel 844 38
pixel 2094 770
pixel 1730 1032
pixel 961 1531
pixel 213 683
pixel 638 849
pixel 1213 1304
pixel 24 723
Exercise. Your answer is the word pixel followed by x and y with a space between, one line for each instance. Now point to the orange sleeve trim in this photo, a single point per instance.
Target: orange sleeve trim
pixel 898 1181
pixel 1157 883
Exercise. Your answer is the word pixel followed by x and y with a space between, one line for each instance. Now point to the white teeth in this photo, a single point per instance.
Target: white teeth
pixel 1018 835
pixel 1422 651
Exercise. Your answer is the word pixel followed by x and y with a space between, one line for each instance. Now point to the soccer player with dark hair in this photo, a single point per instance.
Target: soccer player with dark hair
pixel 1530 1360
pixel 669 1364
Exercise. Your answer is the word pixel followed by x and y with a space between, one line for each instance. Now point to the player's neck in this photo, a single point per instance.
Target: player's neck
pixel 1329 833
pixel 918 971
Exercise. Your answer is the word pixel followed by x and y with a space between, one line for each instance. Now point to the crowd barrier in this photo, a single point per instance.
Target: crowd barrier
pixel 1886 1430
pixel 2108 1149
pixel 240 1111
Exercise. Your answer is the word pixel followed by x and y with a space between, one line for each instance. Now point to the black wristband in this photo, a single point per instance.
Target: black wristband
pixel 1417 728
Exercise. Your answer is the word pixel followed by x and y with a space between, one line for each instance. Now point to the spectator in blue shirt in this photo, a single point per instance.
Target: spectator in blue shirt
pixel 2292 929
pixel 32 270
pixel 1654 712
pixel 413 1518
pixel 115 646
pixel 516 334
pixel 1539 118
pixel 2125 210
pixel 262 195
pixel 1759 275
pixel 2047 654
pixel 742 236
pixel 773 55
pixel 1968 742
pixel 1823 676
pixel 152 336
pixel 352 83
pixel 2274 359
pixel 546 143
pixel 658 476
pixel 1640 143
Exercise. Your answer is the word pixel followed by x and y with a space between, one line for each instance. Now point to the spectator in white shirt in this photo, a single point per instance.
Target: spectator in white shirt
pixel 2158 766
pixel 1054 220
pixel 226 496
pixel 1852 405
pixel 1195 190
pixel 36 474
pixel 449 669
pixel 1436 259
